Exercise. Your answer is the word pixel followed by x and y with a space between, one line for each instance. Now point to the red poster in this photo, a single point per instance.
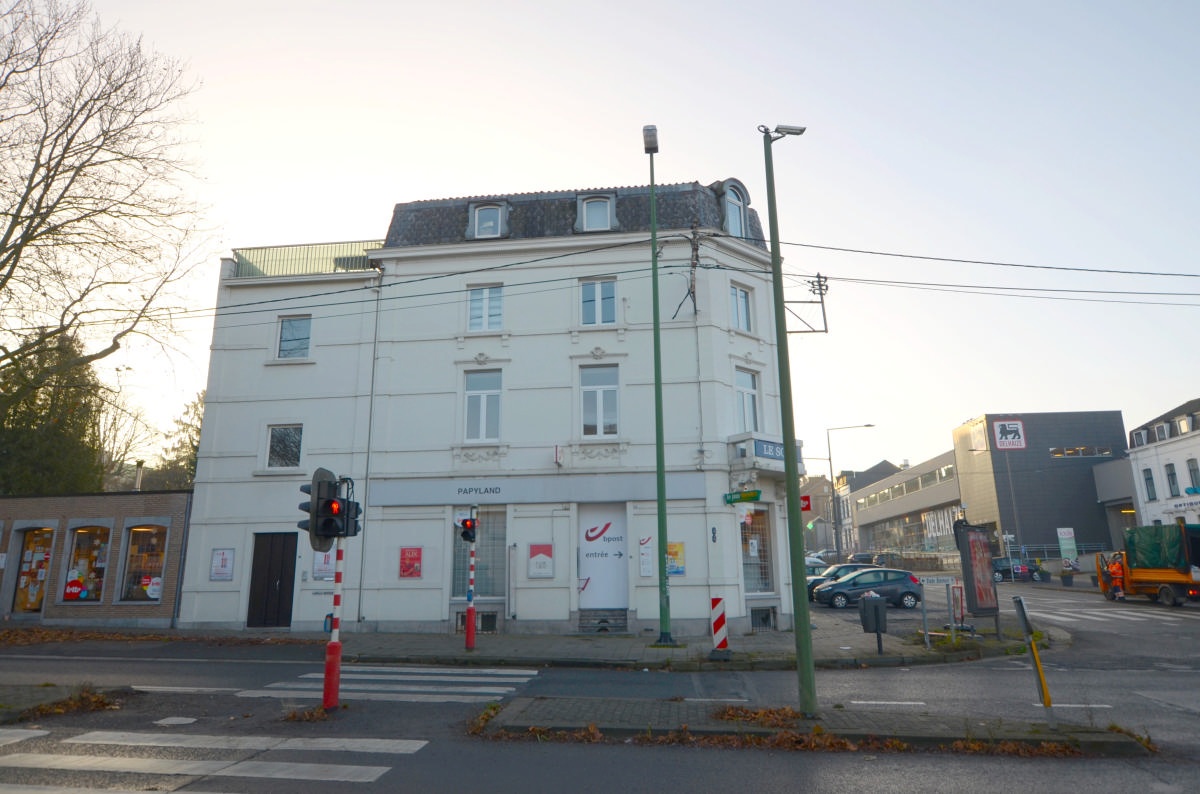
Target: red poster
pixel 410 562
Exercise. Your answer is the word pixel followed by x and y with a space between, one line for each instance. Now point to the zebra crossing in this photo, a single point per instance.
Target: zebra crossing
pixel 412 684
pixel 1113 614
pixel 85 754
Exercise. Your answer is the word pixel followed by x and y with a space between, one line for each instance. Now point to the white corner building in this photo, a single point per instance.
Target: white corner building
pixel 1164 455
pixel 496 353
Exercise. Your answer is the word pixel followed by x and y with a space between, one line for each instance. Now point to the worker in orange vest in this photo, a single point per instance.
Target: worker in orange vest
pixel 1116 570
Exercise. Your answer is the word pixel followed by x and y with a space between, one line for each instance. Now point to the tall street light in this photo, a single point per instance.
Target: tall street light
pixel 837 524
pixel 650 139
pixel 791 470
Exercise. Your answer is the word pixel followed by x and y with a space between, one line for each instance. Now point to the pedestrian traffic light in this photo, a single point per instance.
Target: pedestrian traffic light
pixel 320 490
pixel 331 514
pixel 469 525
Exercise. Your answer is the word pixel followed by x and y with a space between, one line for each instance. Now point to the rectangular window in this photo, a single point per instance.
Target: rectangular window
pixel 484 308
pixel 756 552
pixel 144 564
pixel 283 446
pixel 746 385
pixel 739 308
pixel 491 555
pixel 596 215
pixel 1151 493
pixel 1194 472
pixel 87 561
pixel 599 388
pixel 1172 480
pixel 483 405
pixel 599 301
pixel 487 222
pixel 294 336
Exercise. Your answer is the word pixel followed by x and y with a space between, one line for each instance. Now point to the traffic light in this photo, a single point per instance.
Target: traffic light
pixel 353 511
pixel 331 514
pixel 323 486
pixel 469 525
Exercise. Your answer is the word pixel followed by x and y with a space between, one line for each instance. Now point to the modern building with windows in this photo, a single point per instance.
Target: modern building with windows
pixel 1164 455
pixel 1031 477
pixel 912 510
pixel 495 353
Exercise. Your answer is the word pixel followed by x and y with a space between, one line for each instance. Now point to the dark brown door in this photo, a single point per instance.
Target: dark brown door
pixel 271 580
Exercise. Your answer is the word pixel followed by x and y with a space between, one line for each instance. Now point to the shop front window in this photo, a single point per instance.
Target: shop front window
pixel 35 565
pixel 87 561
pixel 756 552
pixel 144 564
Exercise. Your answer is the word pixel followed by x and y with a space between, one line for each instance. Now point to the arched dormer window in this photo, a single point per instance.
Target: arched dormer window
pixel 487 220
pixel 735 212
pixel 596 213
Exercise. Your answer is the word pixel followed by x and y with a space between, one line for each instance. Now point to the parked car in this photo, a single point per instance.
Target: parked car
pixel 901 588
pixel 1005 569
pixel 867 557
pixel 888 559
pixel 814 565
pixel 834 572
pixel 830 556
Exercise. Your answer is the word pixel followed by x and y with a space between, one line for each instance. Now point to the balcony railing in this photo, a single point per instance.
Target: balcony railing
pixel 302 260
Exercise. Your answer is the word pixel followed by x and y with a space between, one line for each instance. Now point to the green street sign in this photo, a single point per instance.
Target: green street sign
pixel 743 496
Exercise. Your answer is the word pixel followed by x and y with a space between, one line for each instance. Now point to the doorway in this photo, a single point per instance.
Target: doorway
pixel 272 578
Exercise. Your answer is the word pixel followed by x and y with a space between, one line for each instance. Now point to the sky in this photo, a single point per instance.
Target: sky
pixel 1002 196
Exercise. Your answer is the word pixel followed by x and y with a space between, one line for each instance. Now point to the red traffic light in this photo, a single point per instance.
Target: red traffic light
pixel 470 523
pixel 333 507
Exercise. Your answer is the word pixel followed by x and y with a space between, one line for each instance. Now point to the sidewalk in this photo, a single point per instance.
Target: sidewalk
pixel 838 641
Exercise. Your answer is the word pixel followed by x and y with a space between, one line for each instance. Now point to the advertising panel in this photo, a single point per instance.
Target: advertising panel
pixel 975 550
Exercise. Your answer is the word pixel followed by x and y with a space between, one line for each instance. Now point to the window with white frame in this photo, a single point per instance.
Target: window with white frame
pixel 598 386
pixel 283 446
pixel 739 308
pixel 1172 479
pixel 486 221
pixel 1194 472
pixel 735 212
pixel 1148 478
pixel 484 308
pixel 597 214
pixel 598 301
pixel 483 405
pixel 295 334
pixel 746 386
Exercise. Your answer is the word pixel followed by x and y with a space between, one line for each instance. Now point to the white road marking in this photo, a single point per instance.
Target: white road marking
pixel 472 690
pixel 163 766
pixel 315 694
pixel 214 742
pixel 18 788
pixel 1075 706
pixel 453 671
pixel 14 735
pixel 183 690
pixel 888 702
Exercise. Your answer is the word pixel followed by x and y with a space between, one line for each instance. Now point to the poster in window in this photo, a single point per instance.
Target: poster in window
pixel 410 562
pixel 221 569
pixel 675 564
pixel 541 560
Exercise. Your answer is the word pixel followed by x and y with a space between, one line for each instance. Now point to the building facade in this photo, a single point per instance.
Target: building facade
pixel 111 559
pixel 495 355
pixel 1031 477
pixel 1164 456
pixel 911 511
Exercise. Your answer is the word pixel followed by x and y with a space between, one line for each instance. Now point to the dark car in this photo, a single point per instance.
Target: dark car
pixel 834 572
pixel 898 587
pixel 1005 569
pixel 867 557
pixel 888 559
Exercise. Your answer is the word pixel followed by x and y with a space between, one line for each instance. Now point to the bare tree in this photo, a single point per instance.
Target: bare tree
pixel 94 224
pixel 177 466
pixel 124 435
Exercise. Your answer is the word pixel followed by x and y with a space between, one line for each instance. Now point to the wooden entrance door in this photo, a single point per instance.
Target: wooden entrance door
pixel 272 577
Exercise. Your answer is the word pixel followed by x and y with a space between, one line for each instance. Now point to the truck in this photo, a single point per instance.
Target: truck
pixel 1161 562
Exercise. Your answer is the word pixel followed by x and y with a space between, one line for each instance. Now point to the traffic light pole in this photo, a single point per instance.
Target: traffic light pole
pixel 333 651
pixel 470 627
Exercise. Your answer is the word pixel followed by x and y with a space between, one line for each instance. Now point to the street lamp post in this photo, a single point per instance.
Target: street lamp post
pixel 791 470
pixel 650 139
pixel 837 523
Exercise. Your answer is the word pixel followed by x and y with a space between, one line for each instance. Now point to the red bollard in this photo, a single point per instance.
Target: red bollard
pixel 333 674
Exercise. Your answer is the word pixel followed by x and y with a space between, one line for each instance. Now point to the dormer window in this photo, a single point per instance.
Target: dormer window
pixel 596 213
pixel 735 212
pixel 488 221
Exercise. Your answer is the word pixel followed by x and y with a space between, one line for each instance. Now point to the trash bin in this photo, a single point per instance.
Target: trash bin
pixel 872 611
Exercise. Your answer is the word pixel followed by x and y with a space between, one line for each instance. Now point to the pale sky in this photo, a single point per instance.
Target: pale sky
pixel 1054 135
